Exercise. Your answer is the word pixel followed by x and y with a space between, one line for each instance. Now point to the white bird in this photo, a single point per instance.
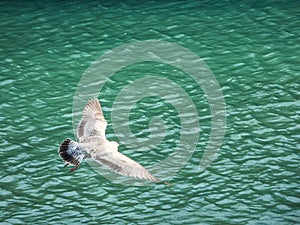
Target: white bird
pixel 93 143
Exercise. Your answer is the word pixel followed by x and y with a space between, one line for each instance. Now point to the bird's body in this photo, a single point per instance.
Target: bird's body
pixel 93 144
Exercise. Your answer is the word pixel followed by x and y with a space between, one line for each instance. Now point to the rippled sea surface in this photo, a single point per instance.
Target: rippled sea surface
pixel 252 47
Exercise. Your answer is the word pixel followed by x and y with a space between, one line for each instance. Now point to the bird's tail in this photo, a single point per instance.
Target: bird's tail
pixel 71 153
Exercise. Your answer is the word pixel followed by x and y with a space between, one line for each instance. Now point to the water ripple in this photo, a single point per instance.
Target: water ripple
pixel 252 48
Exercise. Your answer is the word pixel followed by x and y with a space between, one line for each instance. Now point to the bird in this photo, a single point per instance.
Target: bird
pixel 93 144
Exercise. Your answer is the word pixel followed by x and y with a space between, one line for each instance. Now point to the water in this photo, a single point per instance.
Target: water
pixel 252 49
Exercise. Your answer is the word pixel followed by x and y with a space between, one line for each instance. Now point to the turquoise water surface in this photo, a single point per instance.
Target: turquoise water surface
pixel 252 47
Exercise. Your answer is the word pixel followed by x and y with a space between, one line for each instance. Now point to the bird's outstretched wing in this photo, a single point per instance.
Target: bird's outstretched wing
pixel 123 165
pixel 92 124
pixel 91 130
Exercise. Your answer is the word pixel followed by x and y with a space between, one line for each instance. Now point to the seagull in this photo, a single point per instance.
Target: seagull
pixel 93 144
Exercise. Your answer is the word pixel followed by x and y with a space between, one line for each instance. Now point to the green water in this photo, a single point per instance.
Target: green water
pixel 252 47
